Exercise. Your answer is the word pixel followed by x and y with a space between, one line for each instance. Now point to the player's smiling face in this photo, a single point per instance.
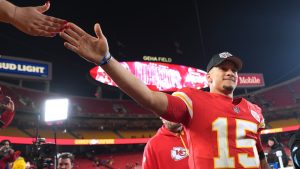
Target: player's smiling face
pixel 223 78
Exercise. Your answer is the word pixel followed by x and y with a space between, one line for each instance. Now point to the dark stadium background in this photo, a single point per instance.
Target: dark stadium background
pixel 265 34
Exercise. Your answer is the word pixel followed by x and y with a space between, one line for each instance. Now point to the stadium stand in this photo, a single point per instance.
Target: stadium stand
pixel 117 161
pixel 284 123
pixel 12 131
pixel 137 133
pixel 31 100
pixel 279 96
pixel 94 134
pixel 49 133
pixel 280 103
pixel 94 118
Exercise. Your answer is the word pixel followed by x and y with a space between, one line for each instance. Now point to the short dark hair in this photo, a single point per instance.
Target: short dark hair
pixel 3 142
pixel 67 155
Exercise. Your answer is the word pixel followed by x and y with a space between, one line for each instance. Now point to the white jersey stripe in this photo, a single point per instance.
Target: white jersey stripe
pixel 188 102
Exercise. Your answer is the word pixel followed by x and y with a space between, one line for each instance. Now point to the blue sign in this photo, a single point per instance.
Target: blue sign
pixel 25 68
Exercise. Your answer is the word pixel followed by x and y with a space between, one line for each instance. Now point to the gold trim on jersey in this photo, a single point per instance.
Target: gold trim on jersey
pixel 188 102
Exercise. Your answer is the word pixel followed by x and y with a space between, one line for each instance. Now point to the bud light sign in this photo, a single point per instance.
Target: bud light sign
pixel 25 68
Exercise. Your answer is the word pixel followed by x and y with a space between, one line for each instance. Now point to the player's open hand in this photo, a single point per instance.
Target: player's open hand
pixel 91 48
pixel 32 21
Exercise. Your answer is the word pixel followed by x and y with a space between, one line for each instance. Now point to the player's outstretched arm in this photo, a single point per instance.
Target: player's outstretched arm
pixel 95 49
pixel 31 20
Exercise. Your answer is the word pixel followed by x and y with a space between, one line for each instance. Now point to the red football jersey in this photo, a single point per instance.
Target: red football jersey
pixel 221 132
pixel 165 150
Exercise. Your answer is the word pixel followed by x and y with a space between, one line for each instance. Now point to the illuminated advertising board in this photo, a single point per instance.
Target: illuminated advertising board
pixel 25 68
pixel 247 80
pixel 158 76
pixel 170 77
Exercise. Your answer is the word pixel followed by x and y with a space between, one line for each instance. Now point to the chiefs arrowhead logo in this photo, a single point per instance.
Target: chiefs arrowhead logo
pixel 178 153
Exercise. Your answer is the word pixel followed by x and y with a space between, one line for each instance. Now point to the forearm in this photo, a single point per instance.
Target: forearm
pixel 96 50
pixel 7 11
pixel 135 88
pixel 263 160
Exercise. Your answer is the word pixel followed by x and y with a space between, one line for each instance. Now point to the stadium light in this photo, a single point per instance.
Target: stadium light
pixel 56 110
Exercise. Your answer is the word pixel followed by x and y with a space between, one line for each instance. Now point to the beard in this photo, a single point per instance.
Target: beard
pixel 174 127
pixel 228 88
